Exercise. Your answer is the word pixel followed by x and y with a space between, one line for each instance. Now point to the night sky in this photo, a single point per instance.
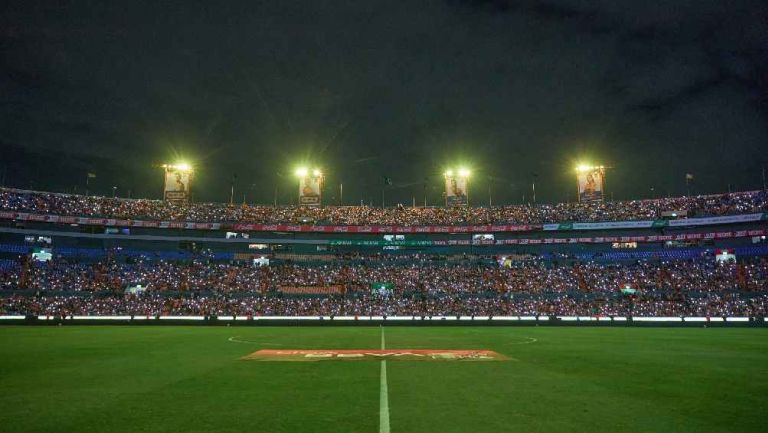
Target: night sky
pixel 520 91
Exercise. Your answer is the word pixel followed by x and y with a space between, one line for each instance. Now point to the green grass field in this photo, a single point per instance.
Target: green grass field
pixel 190 379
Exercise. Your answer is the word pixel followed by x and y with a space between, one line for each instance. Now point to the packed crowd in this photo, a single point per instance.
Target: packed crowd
pixel 438 279
pixel 532 287
pixel 95 206
pixel 712 305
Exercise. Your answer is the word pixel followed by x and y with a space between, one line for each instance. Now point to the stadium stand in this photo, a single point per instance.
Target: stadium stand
pixel 702 287
pixel 159 274
pixel 94 206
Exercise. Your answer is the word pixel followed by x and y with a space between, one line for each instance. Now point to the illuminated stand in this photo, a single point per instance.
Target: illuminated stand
pixel 590 181
pixel 177 182
pixel 457 187
pixel 310 186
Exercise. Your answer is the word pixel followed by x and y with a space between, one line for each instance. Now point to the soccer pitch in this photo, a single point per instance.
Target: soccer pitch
pixel 548 379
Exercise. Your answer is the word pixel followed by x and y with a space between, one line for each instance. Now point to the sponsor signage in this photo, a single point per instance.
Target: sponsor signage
pixel 618 240
pixel 385 229
pixel 374 355
pixel 728 219
pixel 731 219
pixel 610 225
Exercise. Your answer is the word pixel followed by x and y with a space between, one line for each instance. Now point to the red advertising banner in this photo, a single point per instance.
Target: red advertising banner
pixel 294 228
pixel 383 229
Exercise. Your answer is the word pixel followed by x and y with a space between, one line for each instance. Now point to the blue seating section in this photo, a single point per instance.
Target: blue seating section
pixel 669 254
pixel 97 253
pixel 608 256
pixel 14 248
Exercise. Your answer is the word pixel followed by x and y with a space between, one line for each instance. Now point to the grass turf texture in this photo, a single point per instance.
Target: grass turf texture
pixel 191 379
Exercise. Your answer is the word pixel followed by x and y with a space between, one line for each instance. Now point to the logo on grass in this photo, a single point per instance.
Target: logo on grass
pixel 369 355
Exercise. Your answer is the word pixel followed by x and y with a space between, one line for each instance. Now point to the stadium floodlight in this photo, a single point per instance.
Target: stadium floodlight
pixel 302 172
pixel 449 173
pixel 181 166
pixel 317 173
pixel 464 172
pixel 583 168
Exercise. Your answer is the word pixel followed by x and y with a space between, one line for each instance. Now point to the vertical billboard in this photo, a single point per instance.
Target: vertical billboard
pixel 310 190
pixel 591 183
pixel 177 183
pixel 455 190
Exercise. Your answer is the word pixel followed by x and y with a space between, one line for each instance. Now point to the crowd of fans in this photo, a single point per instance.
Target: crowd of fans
pixel 713 305
pixel 693 287
pixel 95 206
pixel 433 279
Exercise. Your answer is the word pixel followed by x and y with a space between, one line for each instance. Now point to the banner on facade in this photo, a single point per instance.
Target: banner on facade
pixel 177 183
pixel 591 183
pixel 456 193
pixel 310 190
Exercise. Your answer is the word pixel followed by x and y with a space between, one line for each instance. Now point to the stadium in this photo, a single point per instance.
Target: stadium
pixel 504 285
pixel 451 216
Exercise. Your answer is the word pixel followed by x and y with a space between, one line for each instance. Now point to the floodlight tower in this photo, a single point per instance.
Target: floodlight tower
pixel 457 186
pixel 590 182
pixel 177 182
pixel 310 185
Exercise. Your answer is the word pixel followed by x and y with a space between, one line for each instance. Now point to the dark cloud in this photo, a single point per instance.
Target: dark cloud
pixel 398 89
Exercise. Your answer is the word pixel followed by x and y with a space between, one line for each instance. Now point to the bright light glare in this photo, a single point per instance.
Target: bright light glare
pixel 464 172
pixel 449 173
pixel 302 172
pixel 581 168
pixel 316 172
pixel 181 166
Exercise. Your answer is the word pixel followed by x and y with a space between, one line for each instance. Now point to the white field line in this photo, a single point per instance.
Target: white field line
pixel 237 339
pixel 383 393
pixel 528 340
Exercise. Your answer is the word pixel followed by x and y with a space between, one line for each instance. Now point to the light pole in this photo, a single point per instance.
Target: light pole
pixel 387 181
pixel 232 189
pixel 253 192
pixel 490 200
pixel 88 177
pixel 301 173
pixel 448 176
pixel 464 174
